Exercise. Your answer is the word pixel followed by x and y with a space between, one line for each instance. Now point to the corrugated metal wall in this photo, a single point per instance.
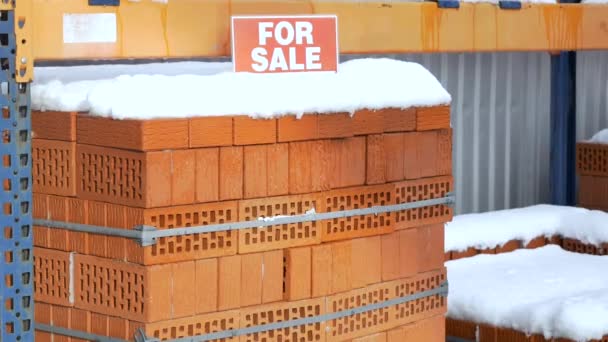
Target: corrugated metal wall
pixel 500 116
pixel 501 121
pixel 592 93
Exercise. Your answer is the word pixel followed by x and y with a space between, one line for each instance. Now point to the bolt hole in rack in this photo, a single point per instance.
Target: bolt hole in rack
pixel 16 287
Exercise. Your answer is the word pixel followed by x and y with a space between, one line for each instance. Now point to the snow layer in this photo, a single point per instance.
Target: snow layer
pixel 600 137
pixel 203 89
pixel 491 229
pixel 542 291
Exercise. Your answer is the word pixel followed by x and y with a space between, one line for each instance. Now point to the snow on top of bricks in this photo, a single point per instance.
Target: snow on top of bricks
pixel 600 137
pixel 191 89
pixel 539 291
pixel 496 228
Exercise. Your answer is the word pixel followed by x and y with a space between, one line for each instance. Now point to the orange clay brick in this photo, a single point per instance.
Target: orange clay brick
pixel 77 213
pixel 207 174
pixel 356 198
pixel 80 320
pixel 366 261
pixel 251 279
pixel 206 293
pixel 335 126
pixel 290 128
pixel 277 312
pixel 183 177
pixel 425 307
pixel 430 118
pixel 464 254
pixel 184 289
pixel 368 122
pixel 231 173
pixel 138 135
pixel 272 282
pixel 118 327
pixel 508 247
pixel 394 156
pixel 97 216
pixel 408 252
pixel 444 152
pixel 229 296
pixel 592 159
pixel 427 156
pixel 349 158
pixel 342 266
pixel 54 125
pixel 309 166
pixel 430 246
pixel 116 246
pixel 399 120
pixel 462 329
pixel 58 211
pixel 42 315
pixel 99 324
pixel 278 169
pixel 390 256
pixel 379 337
pixel 40 211
pixel 255 171
pixel 419 190
pixel 321 270
pixel 249 131
pixel 277 236
pixel 536 242
pixel 411 142
pixel 430 329
pixel 298 273
pixel 52 276
pixel 61 317
pixel 210 131
pixel 54 167
pixel 487 251
pixel 376 160
pixel 194 325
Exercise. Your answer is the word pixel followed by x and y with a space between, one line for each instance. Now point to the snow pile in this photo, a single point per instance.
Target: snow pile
pixel 600 137
pixel 541 291
pixel 214 90
pixel 491 229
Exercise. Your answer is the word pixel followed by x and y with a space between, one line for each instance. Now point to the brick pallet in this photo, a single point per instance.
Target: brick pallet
pixel 201 171
pixel 592 167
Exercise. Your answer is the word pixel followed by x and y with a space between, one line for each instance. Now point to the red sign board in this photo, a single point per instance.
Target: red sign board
pixel 272 44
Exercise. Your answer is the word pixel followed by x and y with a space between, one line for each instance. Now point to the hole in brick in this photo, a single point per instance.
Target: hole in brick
pixel 24 183
pixel 25 207
pixel 9 328
pixel 8 257
pixel 25 278
pixel 8 280
pixel 25 231
pixel 8 233
pixel 24 160
pixel 6 161
pixel 9 304
pixel 25 255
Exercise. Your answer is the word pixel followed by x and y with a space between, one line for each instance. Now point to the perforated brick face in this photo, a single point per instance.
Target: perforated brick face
pixel 357 198
pixel 109 287
pixel 196 325
pixel 577 246
pixel 279 236
pixel 109 176
pixel 280 312
pixel 384 319
pixel 53 167
pixel 419 190
pixel 192 246
pixel 51 276
pixel 592 159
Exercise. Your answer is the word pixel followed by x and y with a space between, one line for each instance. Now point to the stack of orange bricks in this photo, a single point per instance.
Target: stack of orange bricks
pixel 209 170
pixel 592 167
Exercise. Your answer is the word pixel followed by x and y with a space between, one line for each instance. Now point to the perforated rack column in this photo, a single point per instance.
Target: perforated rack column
pixel 16 287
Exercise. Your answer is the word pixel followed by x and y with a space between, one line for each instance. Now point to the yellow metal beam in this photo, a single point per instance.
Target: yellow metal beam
pixel 201 28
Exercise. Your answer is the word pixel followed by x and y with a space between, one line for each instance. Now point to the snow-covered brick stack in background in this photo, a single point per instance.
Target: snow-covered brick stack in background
pixel 592 167
pixel 575 229
pixel 543 294
pixel 185 150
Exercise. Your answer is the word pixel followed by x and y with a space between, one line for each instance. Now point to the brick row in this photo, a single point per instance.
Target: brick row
pixel 171 291
pixel 592 159
pixel 431 329
pixel 179 177
pixel 160 134
pixel 206 245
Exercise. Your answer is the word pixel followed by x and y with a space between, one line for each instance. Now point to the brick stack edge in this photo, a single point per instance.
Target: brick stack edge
pixel 198 171
pixel 592 168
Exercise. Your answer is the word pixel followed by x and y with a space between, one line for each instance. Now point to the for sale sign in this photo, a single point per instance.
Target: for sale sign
pixel 272 44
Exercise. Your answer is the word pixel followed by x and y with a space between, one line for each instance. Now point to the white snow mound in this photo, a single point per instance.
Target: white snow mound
pixel 544 291
pixel 600 137
pixel 210 89
pixel 496 228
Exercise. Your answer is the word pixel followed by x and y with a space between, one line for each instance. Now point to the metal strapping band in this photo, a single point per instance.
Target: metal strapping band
pixel 147 235
pixel 74 333
pixel 441 290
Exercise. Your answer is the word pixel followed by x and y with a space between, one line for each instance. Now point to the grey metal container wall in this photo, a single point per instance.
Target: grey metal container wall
pixel 500 116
